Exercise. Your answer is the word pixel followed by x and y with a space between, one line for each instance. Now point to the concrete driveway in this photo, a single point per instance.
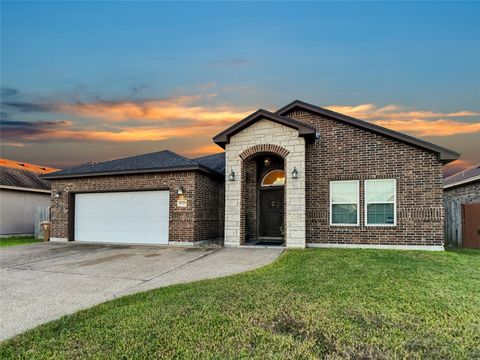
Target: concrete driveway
pixel 43 282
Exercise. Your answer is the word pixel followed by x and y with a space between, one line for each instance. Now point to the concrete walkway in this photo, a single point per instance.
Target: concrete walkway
pixel 43 282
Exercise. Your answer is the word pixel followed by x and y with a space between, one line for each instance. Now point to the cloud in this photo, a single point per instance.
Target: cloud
pixel 13 144
pixel 26 106
pixel 431 128
pixel 46 131
pixel 177 108
pixel 173 108
pixel 204 150
pixel 416 122
pixel 6 92
pixel 25 130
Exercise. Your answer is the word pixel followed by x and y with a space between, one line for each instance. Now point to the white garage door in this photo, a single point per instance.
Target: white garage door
pixel 122 217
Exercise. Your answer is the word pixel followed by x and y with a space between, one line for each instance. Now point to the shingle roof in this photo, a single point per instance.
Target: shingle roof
pixel 20 175
pixel 463 177
pixel 445 155
pixel 215 162
pixel 161 161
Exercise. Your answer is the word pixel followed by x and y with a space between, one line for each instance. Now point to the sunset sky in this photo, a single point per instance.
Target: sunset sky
pixel 85 81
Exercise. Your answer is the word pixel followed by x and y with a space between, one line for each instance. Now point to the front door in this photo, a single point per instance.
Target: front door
pixel 271 213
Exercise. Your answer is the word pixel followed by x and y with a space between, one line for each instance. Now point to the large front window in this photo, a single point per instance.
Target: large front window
pixel 344 202
pixel 380 198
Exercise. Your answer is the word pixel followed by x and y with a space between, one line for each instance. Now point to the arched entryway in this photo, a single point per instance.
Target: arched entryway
pixel 264 137
pixel 263 198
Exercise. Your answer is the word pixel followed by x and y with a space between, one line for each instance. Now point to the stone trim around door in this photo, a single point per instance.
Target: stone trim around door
pixel 265 136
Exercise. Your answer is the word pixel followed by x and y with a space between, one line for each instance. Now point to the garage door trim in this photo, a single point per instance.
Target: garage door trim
pixel 71 204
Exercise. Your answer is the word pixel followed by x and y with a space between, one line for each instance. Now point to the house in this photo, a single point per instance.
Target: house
pixel 302 176
pixel 22 192
pixel 461 194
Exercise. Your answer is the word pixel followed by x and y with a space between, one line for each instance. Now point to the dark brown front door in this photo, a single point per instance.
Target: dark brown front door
pixel 471 226
pixel 271 212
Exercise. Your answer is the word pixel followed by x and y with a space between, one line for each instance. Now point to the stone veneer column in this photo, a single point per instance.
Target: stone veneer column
pixel 267 132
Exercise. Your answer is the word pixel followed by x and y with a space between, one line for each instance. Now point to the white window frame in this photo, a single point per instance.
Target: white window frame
pixel 340 203
pixel 381 202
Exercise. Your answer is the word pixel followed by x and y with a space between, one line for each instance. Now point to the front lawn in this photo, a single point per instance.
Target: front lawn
pixel 308 304
pixel 17 240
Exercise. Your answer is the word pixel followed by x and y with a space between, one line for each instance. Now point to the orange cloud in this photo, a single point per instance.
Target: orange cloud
pixel 417 122
pixel 395 112
pixel 175 108
pixel 128 134
pixel 205 150
pixel 430 128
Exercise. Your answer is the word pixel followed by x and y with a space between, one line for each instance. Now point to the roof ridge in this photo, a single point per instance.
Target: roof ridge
pixel 205 156
pixel 178 155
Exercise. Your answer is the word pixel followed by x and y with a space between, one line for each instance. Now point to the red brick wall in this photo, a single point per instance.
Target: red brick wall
pixel 344 152
pixel 209 207
pixel 200 220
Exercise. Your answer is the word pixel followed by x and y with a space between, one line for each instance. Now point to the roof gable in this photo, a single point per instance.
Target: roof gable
pixel 223 138
pixel 445 155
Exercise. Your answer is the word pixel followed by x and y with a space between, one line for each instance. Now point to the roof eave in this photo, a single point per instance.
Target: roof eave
pixel 199 168
pixel 444 155
pixel 20 188
pixel 462 182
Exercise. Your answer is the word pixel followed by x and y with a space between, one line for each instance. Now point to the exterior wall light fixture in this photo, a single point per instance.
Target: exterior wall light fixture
pixel 58 194
pixel 180 190
pixel 294 173
pixel 231 177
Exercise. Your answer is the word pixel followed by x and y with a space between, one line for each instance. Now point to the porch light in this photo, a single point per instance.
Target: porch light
pixel 58 194
pixel 180 190
pixel 231 177
pixel 266 162
pixel 294 173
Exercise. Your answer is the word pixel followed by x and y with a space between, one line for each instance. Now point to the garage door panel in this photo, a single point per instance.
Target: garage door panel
pixel 125 217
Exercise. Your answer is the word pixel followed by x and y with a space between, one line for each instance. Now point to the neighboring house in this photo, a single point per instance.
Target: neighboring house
pixel 22 192
pixel 302 176
pixel 461 194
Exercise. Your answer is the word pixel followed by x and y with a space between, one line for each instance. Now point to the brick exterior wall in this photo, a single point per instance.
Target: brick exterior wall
pixel 209 206
pixel 344 152
pixel 202 219
pixel 465 194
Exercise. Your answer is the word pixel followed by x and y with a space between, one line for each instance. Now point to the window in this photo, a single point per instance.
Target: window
pixel 274 178
pixel 344 202
pixel 380 202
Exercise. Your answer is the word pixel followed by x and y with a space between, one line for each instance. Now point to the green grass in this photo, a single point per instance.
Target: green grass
pixel 308 304
pixel 17 240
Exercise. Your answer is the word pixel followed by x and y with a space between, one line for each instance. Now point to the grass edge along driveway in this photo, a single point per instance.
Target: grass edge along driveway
pixel 309 303
pixel 17 240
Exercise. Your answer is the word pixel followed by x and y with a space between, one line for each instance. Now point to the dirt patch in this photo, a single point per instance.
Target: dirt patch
pixel 152 255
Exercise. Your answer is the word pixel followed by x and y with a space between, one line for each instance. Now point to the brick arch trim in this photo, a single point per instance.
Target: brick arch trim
pixel 264 148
